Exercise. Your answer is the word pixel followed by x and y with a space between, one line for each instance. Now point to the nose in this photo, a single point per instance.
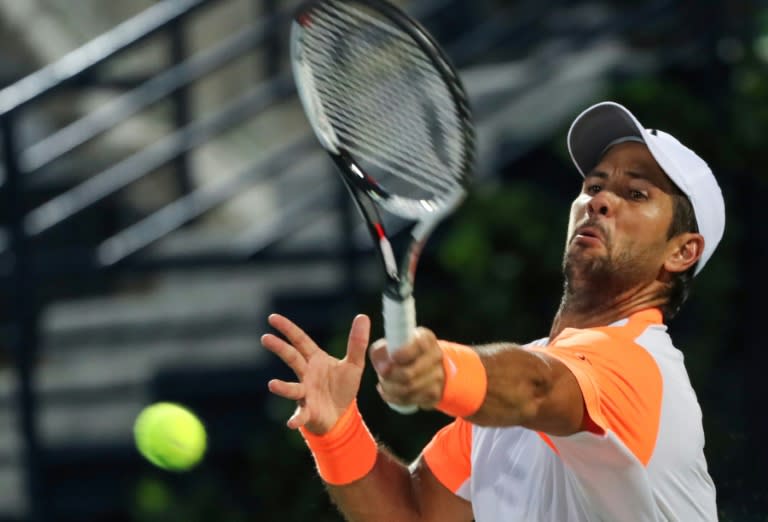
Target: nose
pixel 601 203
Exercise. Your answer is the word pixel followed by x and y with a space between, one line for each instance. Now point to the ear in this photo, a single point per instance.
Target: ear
pixel 683 252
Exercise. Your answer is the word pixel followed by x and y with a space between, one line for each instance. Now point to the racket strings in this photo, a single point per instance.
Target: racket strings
pixel 385 100
pixel 341 20
pixel 373 107
pixel 364 139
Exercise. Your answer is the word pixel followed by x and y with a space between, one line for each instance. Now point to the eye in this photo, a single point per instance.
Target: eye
pixel 593 189
pixel 637 195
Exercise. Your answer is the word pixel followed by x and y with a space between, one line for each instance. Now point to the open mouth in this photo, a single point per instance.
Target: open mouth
pixel 588 232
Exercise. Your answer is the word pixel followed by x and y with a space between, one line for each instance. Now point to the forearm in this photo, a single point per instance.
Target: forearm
pixel 497 385
pixel 517 382
pixel 492 385
pixel 367 482
pixel 387 493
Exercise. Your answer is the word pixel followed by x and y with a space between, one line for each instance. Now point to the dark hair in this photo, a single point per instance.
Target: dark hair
pixel 683 220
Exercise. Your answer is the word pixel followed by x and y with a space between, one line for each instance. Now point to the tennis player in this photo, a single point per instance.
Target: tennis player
pixel 596 422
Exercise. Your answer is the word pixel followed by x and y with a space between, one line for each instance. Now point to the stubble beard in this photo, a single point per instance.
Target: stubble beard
pixel 594 281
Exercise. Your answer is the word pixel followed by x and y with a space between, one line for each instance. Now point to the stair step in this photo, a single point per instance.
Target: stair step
pixel 181 299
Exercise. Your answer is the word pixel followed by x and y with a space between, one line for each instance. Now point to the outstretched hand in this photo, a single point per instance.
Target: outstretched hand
pixel 326 385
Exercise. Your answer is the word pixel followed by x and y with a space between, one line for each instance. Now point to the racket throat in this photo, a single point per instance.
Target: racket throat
pixel 366 192
pixel 356 178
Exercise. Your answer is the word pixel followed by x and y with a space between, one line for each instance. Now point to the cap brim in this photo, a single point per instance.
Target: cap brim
pixel 595 128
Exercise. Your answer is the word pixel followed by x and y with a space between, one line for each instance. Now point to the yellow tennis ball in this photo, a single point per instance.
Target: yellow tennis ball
pixel 170 436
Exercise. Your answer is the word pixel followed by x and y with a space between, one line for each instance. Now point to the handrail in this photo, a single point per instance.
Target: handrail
pixel 27 260
pixel 77 261
pixel 129 170
pixel 125 35
pixel 134 167
pixel 183 210
pixel 107 116
pixel 95 52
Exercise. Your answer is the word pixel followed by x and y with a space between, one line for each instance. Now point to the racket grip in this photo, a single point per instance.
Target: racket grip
pixel 399 325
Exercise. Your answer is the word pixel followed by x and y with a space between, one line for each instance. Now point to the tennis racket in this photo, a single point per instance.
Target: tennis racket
pixel 391 111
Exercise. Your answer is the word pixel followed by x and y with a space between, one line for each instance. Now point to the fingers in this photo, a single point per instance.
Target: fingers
pixel 294 391
pixel 413 375
pixel 395 398
pixel 295 335
pixel 286 352
pixel 357 343
pixel 425 391
pixel 421 341
pixel 299 418
pixel 288 390
pixel 326 384
pixel 428 366
pixel 425 400
pixel 380 357
pixel 422 355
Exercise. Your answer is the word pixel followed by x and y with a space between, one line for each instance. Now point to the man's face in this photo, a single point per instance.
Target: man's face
pixel 617 233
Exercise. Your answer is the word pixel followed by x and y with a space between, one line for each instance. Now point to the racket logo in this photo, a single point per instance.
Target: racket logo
pixel 304 20
pixel 388 255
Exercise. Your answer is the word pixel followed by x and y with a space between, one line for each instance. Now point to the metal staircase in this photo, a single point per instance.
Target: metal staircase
pixel 187 242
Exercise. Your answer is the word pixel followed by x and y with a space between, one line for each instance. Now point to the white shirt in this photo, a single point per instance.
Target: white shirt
pixel 642 462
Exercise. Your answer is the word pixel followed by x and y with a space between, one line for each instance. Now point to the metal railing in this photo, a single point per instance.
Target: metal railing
pixel 22 258
pixel 23 254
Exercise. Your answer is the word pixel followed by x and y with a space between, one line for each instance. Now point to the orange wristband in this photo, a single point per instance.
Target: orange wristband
pixel 347 452
pixel 466 382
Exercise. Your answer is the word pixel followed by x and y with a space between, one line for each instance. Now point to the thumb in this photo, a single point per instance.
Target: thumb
pixel 357 343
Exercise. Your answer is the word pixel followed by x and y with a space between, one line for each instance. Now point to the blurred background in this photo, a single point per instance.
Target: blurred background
pixel 162 193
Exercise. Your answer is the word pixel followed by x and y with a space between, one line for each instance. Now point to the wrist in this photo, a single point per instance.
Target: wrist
pixel 347 452
pixel 466 381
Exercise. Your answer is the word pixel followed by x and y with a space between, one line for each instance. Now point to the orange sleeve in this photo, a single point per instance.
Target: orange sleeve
pixel 620 382
pixel 448 454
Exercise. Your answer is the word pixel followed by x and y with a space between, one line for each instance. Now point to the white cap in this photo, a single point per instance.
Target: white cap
pixel 609 123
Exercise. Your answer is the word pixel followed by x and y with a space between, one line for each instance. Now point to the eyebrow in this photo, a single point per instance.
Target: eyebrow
pixel 640 175
pixel 603 175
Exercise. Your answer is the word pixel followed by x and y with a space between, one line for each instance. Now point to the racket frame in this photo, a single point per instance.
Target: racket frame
pixel 369 196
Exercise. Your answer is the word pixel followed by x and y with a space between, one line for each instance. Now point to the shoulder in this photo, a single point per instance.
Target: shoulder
pixel 625 342
pixel 619 375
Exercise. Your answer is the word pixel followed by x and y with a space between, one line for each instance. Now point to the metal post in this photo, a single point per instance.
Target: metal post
pixel 273 46
pixel 24 317
pixel 181 107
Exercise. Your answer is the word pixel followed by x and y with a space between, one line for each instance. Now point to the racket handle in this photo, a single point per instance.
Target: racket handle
pixel 399 325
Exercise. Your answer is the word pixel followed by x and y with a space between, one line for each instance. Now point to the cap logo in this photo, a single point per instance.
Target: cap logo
pixel 654 132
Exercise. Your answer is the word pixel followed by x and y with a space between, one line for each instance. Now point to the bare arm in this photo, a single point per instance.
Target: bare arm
pixel 393 492
pixel 525 388
pixel 529 389
pixel 325 389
